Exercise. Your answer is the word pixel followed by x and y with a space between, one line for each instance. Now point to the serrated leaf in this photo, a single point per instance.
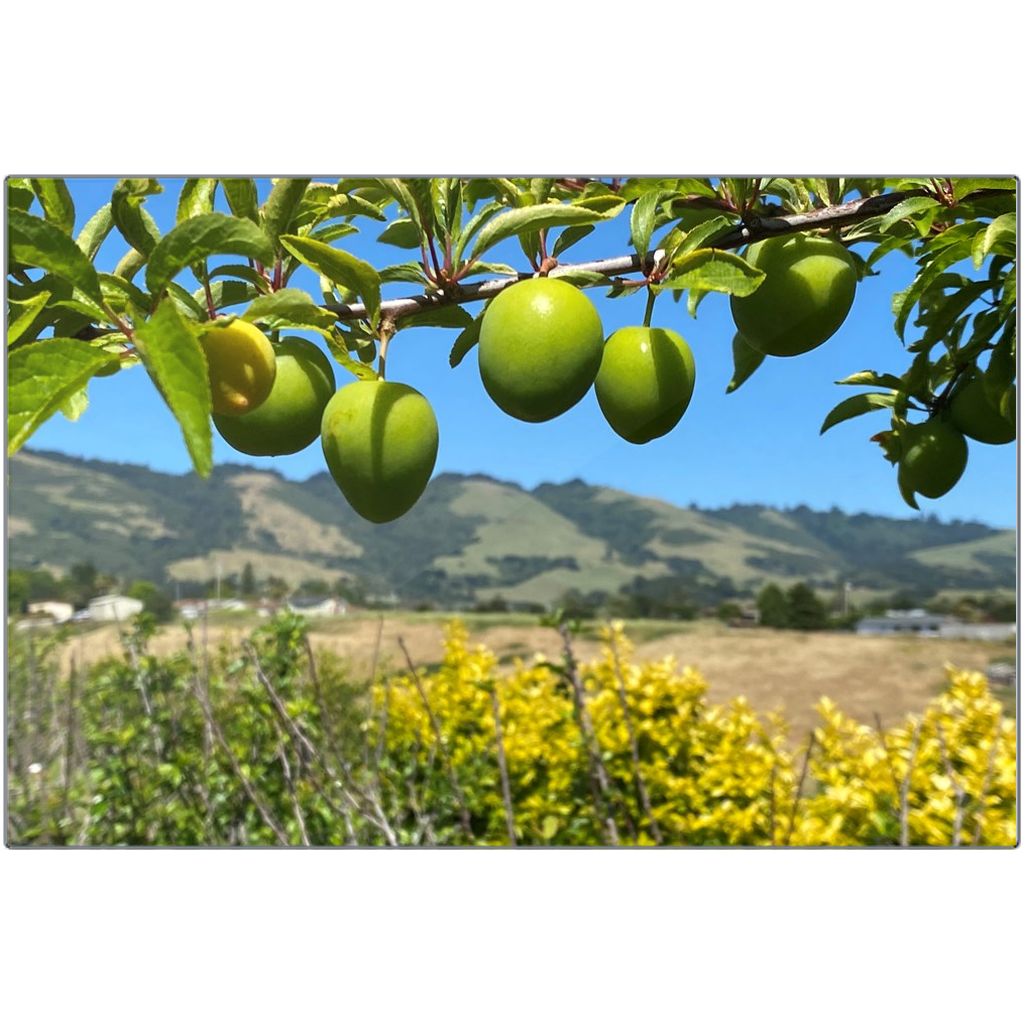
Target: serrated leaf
pixel 411 272
pixel 340 267
pixel 242 198
pixel 907 209
pixel 857 405
pixel 24 313
pixel 279 209
pixel 569 237
pixel 75 404
pixel 131 218
pixel 580 278
pixel 360 370
pixel 96 229
pixel 439 316
pixel 55 199
pixel 1002 230
pixel 228 293
pixel 195 239
pixel 530 218
pixel 196 198
pixel 643 219
pixel 36 243
pixel 712 270
pixel 869 378
pixel 41 377
pixel 292 306
pixel 746 360
pixel 402 233
pixel 175 361
pixel 465 342
pixel 963 187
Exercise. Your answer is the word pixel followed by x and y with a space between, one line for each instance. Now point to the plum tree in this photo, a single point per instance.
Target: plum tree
pixel 288 420
pixel 645 382
pixel 540 348
pixel 380 441
pixel 788 253
pixel 806 294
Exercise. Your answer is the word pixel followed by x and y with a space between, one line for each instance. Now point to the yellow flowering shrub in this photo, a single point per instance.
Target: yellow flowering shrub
pixel 645 759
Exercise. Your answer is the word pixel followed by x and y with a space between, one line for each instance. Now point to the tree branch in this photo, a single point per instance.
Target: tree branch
pixel 756 229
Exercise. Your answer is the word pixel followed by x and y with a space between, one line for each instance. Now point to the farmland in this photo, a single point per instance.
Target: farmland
pixel 779 670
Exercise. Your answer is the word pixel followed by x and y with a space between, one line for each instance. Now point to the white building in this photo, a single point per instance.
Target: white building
pixel 59 611
pixel 114 608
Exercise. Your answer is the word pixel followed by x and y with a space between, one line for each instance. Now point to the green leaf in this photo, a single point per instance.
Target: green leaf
pixel 411 272
pixel 869 378
pixel 360 370
pixel 96 229
pixel 439 316
pixel 279 209
pixel 644 218
pixel 340 267
pixel 746 360
pixel 290 307
pixel 530 218
pixel 23 313
pixel 19 194
pixel 55 199
pixel 135 224
pixel 196 197
pixel 908 208
pixel 242 198
pixel 712 270
pixel 465 342
pixel 74 405
pixel 569 237
pixel 402 233
pixel 1001 231
pixel 208 234
pixel 965 186
pixel 175 361
pixel 857 405
pixel 36 243
pixel 41 377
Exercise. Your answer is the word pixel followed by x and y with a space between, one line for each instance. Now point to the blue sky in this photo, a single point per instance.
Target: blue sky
pixel 759 444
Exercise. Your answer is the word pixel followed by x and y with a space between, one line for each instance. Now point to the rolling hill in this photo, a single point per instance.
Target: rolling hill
pixel 470 538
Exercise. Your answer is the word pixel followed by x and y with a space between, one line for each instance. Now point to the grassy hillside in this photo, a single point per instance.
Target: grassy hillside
pixel 472 538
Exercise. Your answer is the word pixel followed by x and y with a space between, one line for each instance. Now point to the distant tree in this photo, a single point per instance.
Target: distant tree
pixel 248 584
pixel 17 591
pixel 728 610
pixel 315 587
pixel 772 607
pixel 153 599
pixel 805 610
pixel 276 588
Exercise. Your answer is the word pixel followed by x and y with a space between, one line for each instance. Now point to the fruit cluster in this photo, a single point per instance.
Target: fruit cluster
pixel 541 349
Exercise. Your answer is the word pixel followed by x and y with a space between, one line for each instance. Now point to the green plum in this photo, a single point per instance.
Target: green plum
pixel 288 420
pixel 540 348
pixel 973 413
pixel 933 459
pixel 806 294
pixel 645 382
pixel 380 442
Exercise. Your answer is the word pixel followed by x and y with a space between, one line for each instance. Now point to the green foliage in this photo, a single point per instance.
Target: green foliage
pixel 772 608
pixel 268 744
pixel 68 323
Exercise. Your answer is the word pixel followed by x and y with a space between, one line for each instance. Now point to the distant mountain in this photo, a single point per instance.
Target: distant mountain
pixel 470 538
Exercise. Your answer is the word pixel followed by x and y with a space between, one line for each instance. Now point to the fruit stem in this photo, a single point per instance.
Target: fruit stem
pixel 385 332
pixel 651 296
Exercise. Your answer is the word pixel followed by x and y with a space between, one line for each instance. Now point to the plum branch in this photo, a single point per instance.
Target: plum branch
pixel 753 230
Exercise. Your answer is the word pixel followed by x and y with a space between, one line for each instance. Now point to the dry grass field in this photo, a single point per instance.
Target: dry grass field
pixel 774 670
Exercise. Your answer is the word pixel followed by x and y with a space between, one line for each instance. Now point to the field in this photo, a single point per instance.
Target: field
pixel 775 670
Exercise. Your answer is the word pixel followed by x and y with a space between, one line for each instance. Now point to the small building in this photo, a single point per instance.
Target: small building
pixel 915 622
pixel 113 608
pixel 59 611
pixel 317 607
